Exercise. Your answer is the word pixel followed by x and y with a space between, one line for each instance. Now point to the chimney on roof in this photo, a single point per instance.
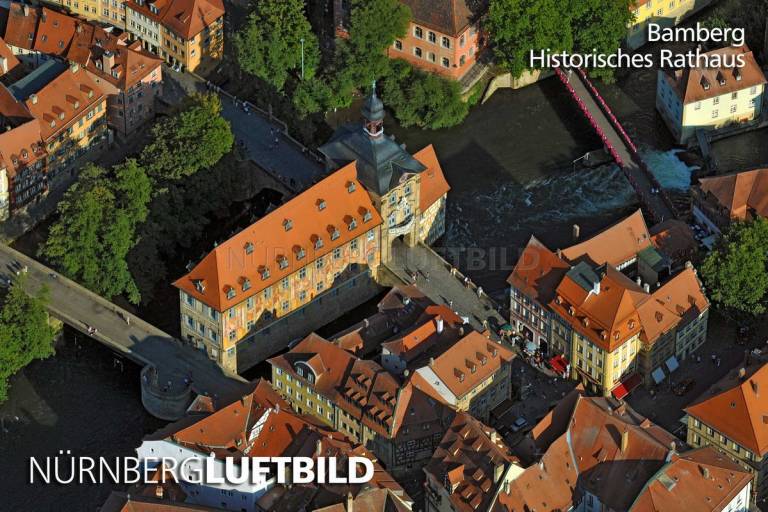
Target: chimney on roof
pixel 439 324
pixel 742 374
pixel 74 67
pixel 624 441
pixel 79 28
pixel 319 447
pixel 159 491
pixel 647 288
pixel 406 372
pixel 498 472
pixel 33 98
pixel 576 231
pixel 4 64
pixel 26 10
pixel 559 253
pixel 349 506
pixel 431 361
pixel 688 264
pixel 108 61
pixel 639 281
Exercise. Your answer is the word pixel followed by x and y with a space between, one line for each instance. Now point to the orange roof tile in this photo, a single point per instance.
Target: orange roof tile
pixel 21 26
pixel 614 245
pixel 188 18
pixel 740 193
pixel 10 61
pixel 739 412
pixel 702 480
pixel 466 364
pixel 697 84
pixel 279 236
pixel 54 32
pixel 538 272
pixel 21 144
pixel 66 98
pixel 433 184
pixel 469 456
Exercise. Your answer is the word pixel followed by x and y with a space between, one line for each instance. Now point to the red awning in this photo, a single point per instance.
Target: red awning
pixel 626 386
pixel 558 364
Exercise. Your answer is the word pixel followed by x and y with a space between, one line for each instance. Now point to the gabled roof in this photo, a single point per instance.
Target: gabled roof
pixel 697 84
pixel 614 245
pixel 188 18
pixel 739 412
pixel 10 59
pixel 433 184
pixel 279 237
pixel 54 32
pixel 21 26
pixel 607 450
pixel 703 480
pixel 739 193
pixel 471 456
pixel 450 17
pixel 463 366
pixel 538 271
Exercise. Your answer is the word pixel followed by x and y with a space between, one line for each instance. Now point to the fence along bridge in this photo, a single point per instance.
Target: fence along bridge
pixel 172 371
pixel 617 142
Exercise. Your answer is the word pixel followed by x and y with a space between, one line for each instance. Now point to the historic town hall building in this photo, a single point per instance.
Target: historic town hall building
pixel 319 254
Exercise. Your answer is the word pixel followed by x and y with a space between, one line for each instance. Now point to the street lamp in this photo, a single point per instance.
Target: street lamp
pixel 302 58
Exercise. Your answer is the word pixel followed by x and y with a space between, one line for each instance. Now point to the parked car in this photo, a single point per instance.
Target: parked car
pixel 519 424
pixel 683 386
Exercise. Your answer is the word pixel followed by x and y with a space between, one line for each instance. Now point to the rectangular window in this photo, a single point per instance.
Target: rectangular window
pixel 417 52
pixel 303 273
pixel 285 283
pixel 319 263
pixel 418 32
pixel 432 37
pixel 446 63
pixel 446 42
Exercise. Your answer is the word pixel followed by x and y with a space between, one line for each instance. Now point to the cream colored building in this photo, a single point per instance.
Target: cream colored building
pixel 667 13
pixel 710 98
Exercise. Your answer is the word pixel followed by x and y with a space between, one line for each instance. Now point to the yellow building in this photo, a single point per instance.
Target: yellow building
pixel 325 243
pixel 666 13
pixel 731 417
pixel 186 34
pixel 711 98
pixel 71 109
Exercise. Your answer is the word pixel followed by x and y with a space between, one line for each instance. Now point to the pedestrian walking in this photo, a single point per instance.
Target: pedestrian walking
pixel 128 319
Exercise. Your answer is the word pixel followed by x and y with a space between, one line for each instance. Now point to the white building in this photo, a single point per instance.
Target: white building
pixel 711 98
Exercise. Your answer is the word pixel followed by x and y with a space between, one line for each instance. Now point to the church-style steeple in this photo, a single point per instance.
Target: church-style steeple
pixel 373 114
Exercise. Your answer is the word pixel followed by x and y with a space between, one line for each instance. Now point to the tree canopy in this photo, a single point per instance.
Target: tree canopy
pixel 519 26
pixel 25 334
pixel 196 137
pixel 96 228
pixel 422 99
pixel 735 273
pixel 269 45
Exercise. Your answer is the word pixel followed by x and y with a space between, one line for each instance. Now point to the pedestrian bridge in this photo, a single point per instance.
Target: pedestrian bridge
pixel 617 142
pixel 173 371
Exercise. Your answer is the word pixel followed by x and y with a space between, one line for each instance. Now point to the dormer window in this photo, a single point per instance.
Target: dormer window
pixel 318 242
pixel 335 233
pixel 720 79
pixel 24 154
pixel 321 204
pixel 631 324
pixel 300 252
pixel 705 83
pixel 282 262
pixel 367 216
pixel 287 224
pixel 249 248
pixel 737 74
pixel 246 284
pixel 352 224
pixel 351 187
pixel 264 273
pixel 231 293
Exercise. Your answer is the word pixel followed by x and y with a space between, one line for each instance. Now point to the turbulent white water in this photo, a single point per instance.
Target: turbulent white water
pixel 672 173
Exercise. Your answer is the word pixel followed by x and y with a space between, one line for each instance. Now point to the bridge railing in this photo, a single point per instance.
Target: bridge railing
pixel 627 141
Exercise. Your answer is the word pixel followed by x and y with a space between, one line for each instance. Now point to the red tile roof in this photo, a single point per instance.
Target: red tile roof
pixel 66 98
pixel 703 480
pixel 697 84
pixel 21 144
pixel 465 365
pixel 538 271
pixel 279 236
pixel 614 245
pixel 738 412
pixel 433 184
pixel 21 26
pixel 188 18
pixel 450 17
pixel 470 460
pixel 54 32
pixel 740 193
pixel 10 61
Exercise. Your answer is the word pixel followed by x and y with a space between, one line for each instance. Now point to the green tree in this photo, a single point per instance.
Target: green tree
pixel 196 137
pixel 422 99
pixel 96 228
pixel 518 27
pixel 269 45
pixel 735 273
pixel 600 26
pixel 25 334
